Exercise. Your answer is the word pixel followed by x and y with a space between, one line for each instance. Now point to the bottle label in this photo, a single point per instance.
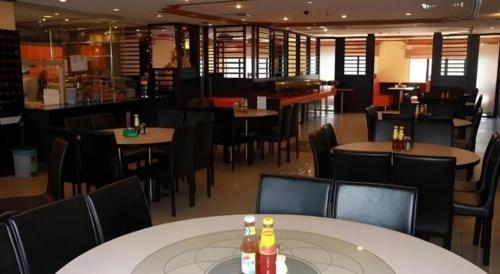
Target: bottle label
pixel 249 231
pixel 248 263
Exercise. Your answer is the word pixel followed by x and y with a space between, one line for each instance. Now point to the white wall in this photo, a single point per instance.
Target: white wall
pixel 391 65
pixel 162 52
pixel 327 60
pixel 7 20
pixel 487 74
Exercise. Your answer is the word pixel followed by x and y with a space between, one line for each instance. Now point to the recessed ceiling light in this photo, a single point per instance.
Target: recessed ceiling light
pixel 492 27
pixel 159 16
pixel 287 28
pixel 238 6
pixel 210 24
pixel 322 27
pixel 115 27
pixel 66 20
pixel 56 14
pixel 137 30
pixel 344 16
pixel 325 29
pixel 408 14
pixel 47 16
pixel 116 10
pixel 243 19
pixel 308 27
pixel 62 1
pixel 43 19
pixel 285 18
pixel 309 2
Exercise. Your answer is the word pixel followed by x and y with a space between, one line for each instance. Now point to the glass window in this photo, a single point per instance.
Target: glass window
pixel 420 70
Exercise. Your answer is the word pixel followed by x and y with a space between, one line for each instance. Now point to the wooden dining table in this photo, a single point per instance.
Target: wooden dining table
pixel 312 245
pixel 457 122
pixel 464 158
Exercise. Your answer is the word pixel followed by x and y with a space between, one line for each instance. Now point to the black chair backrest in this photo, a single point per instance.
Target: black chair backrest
pixel 194 116
pixel 293 195
pixel 119 208
pixel 388 206
pixel 52 235
pixel 225 126
pixel 201 103
pixel 80 123
pixel 181 162
pixel 434 178
pixel 203 144
pixel 285 118
pixel 476 122
pixel 489 149
pixel 294 121
pixel 71 164
pixel 407 111
pixel 384 128
pixel 104 121
pixel 433 131
pixel 55 187
pixel 362 166
pixel 169 118
pixel 440 110
pixel 100 157
pixel 10 262
pixel 330 135
pixel 479 103
pixel 371 117
pixel 322 156
pixel 491 176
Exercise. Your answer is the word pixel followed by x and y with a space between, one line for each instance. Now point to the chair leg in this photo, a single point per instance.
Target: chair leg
pixel 487 241
pixel 279 153
pixel 261 146
pixel 447 240
pixel 209 184
pixel 79 187
pixel 192 190
pixel 477 231
pixel 172 196
pixel 233 158
pixel 297 146
pixel 288 150
pixel 74 188
pixel 87 187
pixel 212 175
pixel 271 148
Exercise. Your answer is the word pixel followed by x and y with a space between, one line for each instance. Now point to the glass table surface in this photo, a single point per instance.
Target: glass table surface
pixel 218 253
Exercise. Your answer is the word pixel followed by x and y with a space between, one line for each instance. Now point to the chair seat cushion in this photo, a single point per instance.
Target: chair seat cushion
pixel 20 204
pixel 467 198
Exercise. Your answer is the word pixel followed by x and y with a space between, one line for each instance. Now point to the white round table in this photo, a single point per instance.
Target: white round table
pixel 402 253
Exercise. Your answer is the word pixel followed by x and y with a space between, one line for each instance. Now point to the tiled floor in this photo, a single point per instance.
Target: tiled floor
pixel 235 192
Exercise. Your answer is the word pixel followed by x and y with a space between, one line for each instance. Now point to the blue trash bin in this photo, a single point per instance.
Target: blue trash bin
pixel 25 161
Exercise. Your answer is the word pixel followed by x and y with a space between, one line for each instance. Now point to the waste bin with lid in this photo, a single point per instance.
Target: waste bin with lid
pixel 25 161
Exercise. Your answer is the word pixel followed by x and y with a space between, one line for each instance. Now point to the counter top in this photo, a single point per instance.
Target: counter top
pixel 41 107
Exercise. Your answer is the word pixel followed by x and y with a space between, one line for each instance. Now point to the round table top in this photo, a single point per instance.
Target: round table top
pixel 399 252
pixel 254 113
pixel 465 158
pixel 154 136
pixel 461 123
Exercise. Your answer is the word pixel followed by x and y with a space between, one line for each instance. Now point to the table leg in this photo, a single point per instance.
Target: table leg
pixel 247 153
pixel 341 103
pixel 400 98
pixel 120 157
pixel 150 181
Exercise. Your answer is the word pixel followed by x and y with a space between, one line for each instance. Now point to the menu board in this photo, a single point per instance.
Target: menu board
pixel 78 63
pixel 11 83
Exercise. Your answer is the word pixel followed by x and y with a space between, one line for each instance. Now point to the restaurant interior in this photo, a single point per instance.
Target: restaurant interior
pixel 249 136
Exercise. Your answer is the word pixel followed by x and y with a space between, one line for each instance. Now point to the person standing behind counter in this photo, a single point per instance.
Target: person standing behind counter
pixel 30 86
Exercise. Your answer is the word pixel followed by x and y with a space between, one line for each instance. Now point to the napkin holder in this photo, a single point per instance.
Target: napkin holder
pixel 130 132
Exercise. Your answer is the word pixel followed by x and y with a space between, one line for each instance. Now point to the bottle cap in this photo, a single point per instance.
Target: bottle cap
pixel 268 221
pixel 249 219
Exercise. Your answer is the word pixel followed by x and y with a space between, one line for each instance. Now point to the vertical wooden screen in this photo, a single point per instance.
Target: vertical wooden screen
pixel 355 56
pixel 230 52
pixel 279 61
pixel 263 52
pixel 303 58
pixel 211 54
pixel 202 46
pixel 292 54
pixel 130 64
pixel 313 56
pixel 454 56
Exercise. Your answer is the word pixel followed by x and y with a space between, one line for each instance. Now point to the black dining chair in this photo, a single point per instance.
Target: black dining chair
pixel 100 158
pixel 384 128
pixel 322 156
pixel 297 195
pixel 192 117
pixel 54 234
pixel 80 123
pixel 469 142
pixel 480 204
pixel 388 206
pixel 359 166
pixel 203 151
pixel 330 136
pixel 201 103
pixel 440 110
pixel 119 208
pixel 104 121
pixel 433 131
pixel 294 128
pixel 11 261
pixel 55 185
pixel 277 134
pixel 371 118
pixel 407 110
pixel 169 118
pixel 434 178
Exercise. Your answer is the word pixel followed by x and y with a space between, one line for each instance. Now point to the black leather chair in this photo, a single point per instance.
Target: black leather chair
pixel 384 128
pixel 52 235
pixel 55 186
pixel 392 207
pixel 361 166
pixel 407 111
pixel 433 131
pixel 469 142
pixel 440 110
pixel 294 128
pixel 322 155
pixel 434 178
pixel 480 204
pixel 192 117
pixel 277 134
pixel 293 195
pixel 10 262
pixel 371 118
pixel 80 123
pixel 119 208
pixel 169 118
pixel 104 121
pixel 179 164
pixel 330 136
pixel 203 151
pixel 100 156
